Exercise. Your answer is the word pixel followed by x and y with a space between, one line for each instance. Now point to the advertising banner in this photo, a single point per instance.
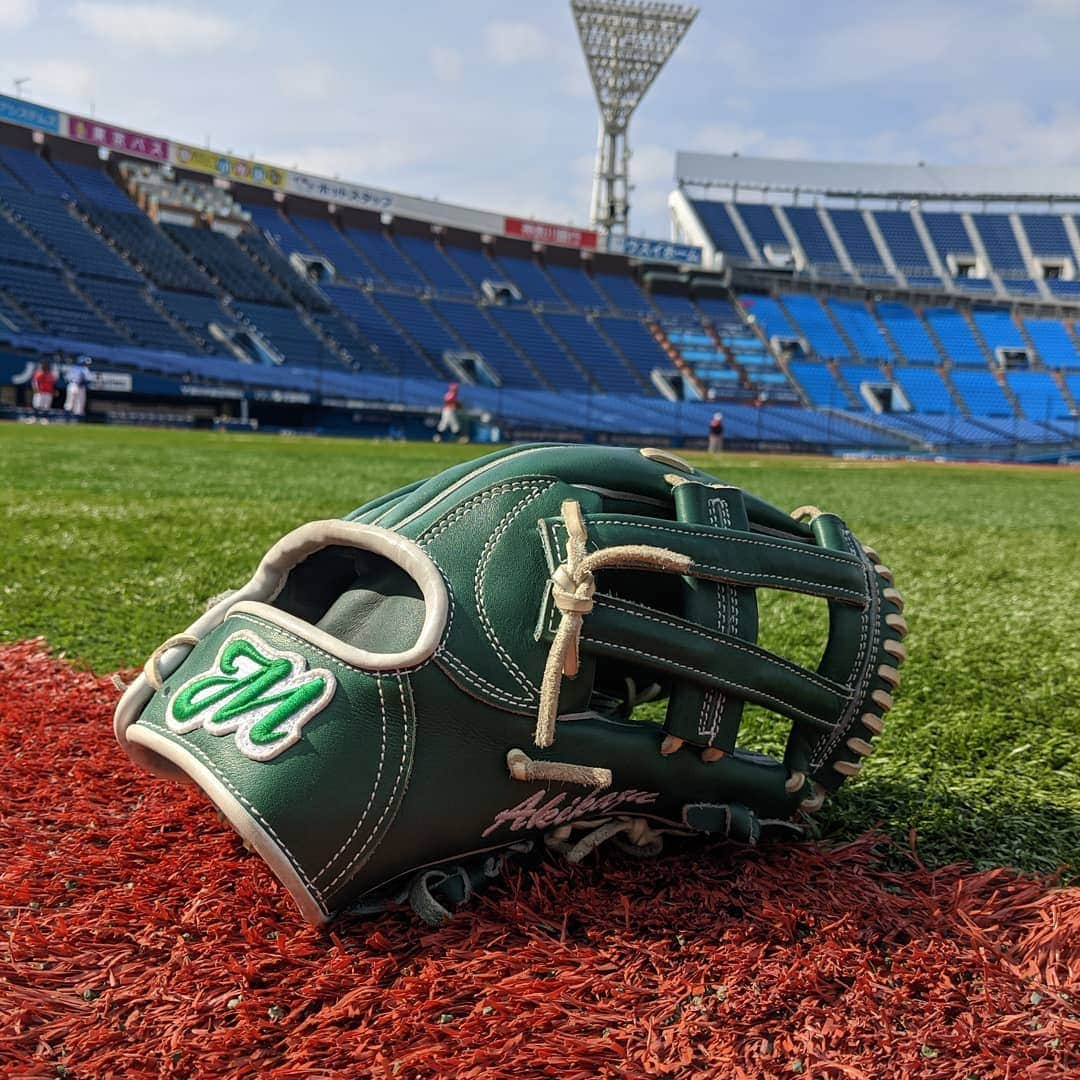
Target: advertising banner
pixel 28 114
pixel 542 232
pixel 227 166
pixel 637 247
pixel 340 192
pixel 114 138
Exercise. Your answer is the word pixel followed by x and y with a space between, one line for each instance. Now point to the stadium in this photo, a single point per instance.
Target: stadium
pixel 264 346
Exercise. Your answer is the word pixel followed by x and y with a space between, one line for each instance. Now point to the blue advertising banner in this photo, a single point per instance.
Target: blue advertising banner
pixel 29 115
pixel 637 247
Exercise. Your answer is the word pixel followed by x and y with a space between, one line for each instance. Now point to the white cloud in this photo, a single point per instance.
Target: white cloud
pixel 159 27
pixel 366 158
pixel 1007 132
pixel 309 81
pixel 735 138
pixel 57 82
pixel 15 14
pixel 515 41
pixel 447 64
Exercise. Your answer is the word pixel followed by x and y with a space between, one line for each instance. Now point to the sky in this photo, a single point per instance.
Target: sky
pixel 489 104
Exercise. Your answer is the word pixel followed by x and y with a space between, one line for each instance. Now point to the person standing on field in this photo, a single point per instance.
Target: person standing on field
pixel 43 383
pixel 448 418
pixel 716 433
pixel 78 379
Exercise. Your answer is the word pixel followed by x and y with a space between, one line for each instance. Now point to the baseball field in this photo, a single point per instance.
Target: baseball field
pixel 111 539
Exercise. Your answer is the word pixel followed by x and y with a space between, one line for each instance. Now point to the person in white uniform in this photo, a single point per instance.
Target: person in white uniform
pixel 78 378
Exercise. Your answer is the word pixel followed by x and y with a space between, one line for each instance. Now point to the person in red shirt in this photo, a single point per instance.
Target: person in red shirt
pixel 448 419
pixel 43 383
pixel 716 433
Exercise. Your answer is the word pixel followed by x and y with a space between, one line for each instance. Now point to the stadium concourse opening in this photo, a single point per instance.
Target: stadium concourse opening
pixel 890 315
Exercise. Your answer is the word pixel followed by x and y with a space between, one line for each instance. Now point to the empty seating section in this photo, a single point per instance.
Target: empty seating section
pixel 126 305
pixel 377 328
pixel 281 271
pixel 855 236
pixel 675 309
pixel 924 390
pixel 148 250
pixel 33 172
pixel 96 186
pixel 378 250
pixel 818 329
pixel 624 294
pixel 280 230
pixel 766 312
pixel 594 352
pixel 224 259
pixel 1047 236
pixel 1067 290
pixel 819 384
pixel 636 344
pixel 533 339
pixel 948 234
pixel 813 238
pixel 474 265
pixel 531 279
pixel 439 272
pixel 1052 342
pixel 473 326
pixel 16 247
pixel 1038 395
pixel 326 240
pixel 999 240
pixel 981 393
pixel 359 354
pixel 763 224
pixel 904 243
pixel 854 375
pixel 283 328
pixel 721 229
pixel 861 327
pixel 908 332
pixel 13 319
pixel 197 313
pixel 51 220
pixel 54 305
pixel 998 329
pixel 955 336
pixel 417 319
pixel 577 286
pixel 720 312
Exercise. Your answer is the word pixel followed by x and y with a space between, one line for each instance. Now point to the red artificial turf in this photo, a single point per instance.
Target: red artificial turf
pixel 140 939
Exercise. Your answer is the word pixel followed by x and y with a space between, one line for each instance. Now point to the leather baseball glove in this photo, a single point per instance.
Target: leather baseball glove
pixel 397 699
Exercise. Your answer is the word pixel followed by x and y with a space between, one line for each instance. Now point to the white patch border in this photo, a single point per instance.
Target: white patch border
pixel 240 726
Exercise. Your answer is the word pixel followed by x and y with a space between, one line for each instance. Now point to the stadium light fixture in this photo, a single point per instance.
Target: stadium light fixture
pixel 626 44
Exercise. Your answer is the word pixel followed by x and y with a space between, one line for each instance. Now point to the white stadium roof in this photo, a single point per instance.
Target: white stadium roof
pixel 850 179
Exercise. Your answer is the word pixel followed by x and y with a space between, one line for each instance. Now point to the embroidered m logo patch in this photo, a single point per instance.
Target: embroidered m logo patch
pixel 262 695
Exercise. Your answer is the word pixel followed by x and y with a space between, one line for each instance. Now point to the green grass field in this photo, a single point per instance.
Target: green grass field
pixel 112 538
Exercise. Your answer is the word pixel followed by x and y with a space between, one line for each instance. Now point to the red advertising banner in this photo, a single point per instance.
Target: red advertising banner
pixel 128 142
pixel 542 232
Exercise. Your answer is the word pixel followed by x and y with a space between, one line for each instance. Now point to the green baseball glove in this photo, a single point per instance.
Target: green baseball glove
pixel 397 699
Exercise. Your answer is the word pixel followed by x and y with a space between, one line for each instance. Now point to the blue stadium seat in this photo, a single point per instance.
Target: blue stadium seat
pixel 819 384
pixel 425 254
pixel 472 325
pixel 224 259
pixel 812 236
pixel 721 229
pixel 95 186
pixel 955 336
pixel 998 329
pixel 34 172
pixel 59 310
pixel 546 353
pixel 533 280
pixel 763 224
pixel 996 233
pixel 422 325
pixel 981 393
pixel 594 352
pixel 1038 395
pixel 925 390
pixel 948 234
pixel 283 328
pixel 326 240
pixel 375 326
pixel 862 328
pixel 816 325
pixel 1052 342
pixel 908 332
pixel 1046 235
pixel 381 253
pixel 855 236
pixel 577 286
pixel 905 245
pixel 635 342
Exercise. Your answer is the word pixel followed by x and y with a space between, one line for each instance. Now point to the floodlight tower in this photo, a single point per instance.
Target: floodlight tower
pixel 626 44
